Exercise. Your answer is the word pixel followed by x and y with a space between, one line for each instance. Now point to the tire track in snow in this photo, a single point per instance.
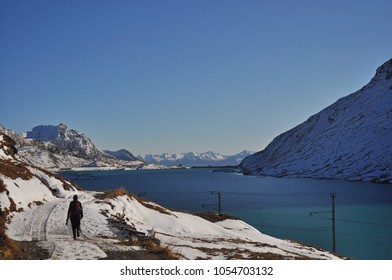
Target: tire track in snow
pixel 36 225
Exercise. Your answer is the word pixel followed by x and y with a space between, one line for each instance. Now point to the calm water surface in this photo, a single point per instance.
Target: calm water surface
pixel 298 209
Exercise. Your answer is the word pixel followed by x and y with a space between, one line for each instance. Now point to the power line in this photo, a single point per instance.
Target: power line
pixel 363 235
pixel 319 214
pixel 364 213
pixel 294 228
pixel 368 242
pixel 362 222
pixel 267 194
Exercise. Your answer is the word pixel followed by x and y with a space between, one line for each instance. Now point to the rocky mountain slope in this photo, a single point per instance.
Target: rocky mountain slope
pixel 35 203
pixel 195 159
pixel 61 139
pixel 350 139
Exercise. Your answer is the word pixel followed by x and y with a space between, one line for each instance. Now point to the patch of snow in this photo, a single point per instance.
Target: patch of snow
pixel 25 192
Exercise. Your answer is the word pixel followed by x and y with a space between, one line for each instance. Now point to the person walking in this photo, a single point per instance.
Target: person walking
pixel 75 213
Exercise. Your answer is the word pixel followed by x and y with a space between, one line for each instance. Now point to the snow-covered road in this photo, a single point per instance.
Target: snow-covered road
pixel 46 224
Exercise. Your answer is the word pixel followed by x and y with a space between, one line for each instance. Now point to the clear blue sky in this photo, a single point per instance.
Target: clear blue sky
pixel 178 76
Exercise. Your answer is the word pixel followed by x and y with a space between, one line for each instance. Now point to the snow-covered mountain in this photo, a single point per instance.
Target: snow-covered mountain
pixel 61 139
pixel 122 154
pixel 350 139
pixel 195 159
pixel 58 147
pixel 35 204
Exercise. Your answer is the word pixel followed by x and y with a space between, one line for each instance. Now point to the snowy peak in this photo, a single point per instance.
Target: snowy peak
pixel 385 70
pixel 49 133
pixel 350 139
pixel 60 138
pixel 383 75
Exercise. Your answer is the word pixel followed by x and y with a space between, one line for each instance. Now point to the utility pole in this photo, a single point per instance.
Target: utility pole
pixel 333 195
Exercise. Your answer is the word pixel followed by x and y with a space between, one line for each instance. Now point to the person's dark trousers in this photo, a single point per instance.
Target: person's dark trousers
pixel 75 222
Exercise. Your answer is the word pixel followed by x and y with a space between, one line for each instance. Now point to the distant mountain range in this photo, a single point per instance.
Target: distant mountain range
pixel 59 147
pixel 195 159
pixel 351 139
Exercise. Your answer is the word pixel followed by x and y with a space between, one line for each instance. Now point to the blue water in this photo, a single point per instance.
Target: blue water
pixel 298 209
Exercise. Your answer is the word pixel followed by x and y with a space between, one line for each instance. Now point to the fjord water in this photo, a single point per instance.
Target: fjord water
pixel 291 208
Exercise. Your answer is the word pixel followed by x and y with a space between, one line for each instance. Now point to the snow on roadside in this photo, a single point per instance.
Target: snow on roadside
pixel 25 192
pixel 53 182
